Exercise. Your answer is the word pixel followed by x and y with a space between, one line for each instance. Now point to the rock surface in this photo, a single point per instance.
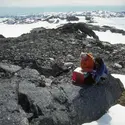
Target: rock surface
pixel 65 104
pixel 10 111
pixel 39 90
pixel 106 28
pixel 1 36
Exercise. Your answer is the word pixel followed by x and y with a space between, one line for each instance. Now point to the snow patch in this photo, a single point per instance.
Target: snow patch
pixel 115 116
pixel 110 37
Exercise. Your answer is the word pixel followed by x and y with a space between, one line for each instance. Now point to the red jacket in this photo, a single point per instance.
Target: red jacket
pixel 87 63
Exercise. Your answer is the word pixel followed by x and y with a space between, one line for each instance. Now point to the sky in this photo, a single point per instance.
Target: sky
pixel 35 3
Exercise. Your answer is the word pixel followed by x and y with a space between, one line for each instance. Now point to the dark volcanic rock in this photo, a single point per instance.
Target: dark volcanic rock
pixel 1 36
pixel 73 27
pixel 105 28
pixel 9 67
pixel 65 104
pixel 39 89
pixel 10 112
pixel 72 18
pixel 58 104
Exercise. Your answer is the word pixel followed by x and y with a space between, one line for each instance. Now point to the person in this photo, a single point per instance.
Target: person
pixel 100 71
pixel 95 69
pixel 87 62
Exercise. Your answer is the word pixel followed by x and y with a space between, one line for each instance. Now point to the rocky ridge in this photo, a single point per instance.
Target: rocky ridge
pixel 35 77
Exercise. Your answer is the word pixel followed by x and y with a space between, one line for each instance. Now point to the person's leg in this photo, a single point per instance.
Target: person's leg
pixel 89 80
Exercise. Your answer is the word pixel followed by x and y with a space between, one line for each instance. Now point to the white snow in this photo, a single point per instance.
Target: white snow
pixel 115 115
pixel 110 37
pixel 121 77
pixel 118 22
pixel 18 29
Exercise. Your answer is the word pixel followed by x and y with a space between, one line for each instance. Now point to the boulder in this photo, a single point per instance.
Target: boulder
pixel 66 104
pixel 10 112
pixel 73 27
pixel 40 90
pixel 1 36
pixel 117 66
pixel 72 18
pixel 9 67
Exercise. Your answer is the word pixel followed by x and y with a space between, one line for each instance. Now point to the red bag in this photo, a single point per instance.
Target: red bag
pixel 78 76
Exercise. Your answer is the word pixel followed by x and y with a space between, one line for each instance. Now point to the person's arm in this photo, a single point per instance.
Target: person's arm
pixel 99 73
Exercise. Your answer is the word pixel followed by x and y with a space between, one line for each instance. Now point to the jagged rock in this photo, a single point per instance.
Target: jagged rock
pixel 43 54
pixel 106 28
pixel 31 75
pixel 9 67
pixel 117 66
pixel 66 104
pixel 45 81
pixel 53 21
pixel 69 57
pixel 122 63
pixel 52 43
pixel 73 27
pixel 72 18
pixel 10 112
pixel 68 64
pixel 89 45
pixel 1 36
pixel 88 17
pixel 48 82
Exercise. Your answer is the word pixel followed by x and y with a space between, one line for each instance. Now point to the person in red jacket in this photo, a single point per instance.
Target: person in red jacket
pixel 87 62
pixel 93 70
pixel 98 74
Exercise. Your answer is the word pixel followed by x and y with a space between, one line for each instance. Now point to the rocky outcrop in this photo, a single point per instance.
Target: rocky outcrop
pixel 57 102
pixel 78 27
pixel 10 112
pixel 65 104
pixel 1 36
pixel 9 67
pixel 72 18
pixel 106 28
pixel 35 77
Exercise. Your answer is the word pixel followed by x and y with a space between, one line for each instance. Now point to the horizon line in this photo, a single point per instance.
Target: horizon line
pixel 64 6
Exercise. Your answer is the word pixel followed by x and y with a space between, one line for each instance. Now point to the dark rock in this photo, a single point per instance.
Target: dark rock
pixel 41 92
pixel 72 18
pixel 10 112
pixel 8 70
pixel 9 67
pixel 65 104
pixel 88 17
pixel 106 28
pixel 1 36
pixel 117 66
pixel 73 27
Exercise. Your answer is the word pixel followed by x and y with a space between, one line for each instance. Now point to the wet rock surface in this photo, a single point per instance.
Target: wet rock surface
pixel 35 77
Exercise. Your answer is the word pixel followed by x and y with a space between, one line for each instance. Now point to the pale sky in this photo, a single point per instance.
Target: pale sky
pixel 31 3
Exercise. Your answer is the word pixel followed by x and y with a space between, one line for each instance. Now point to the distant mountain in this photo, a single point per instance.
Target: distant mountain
pixel 51 17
